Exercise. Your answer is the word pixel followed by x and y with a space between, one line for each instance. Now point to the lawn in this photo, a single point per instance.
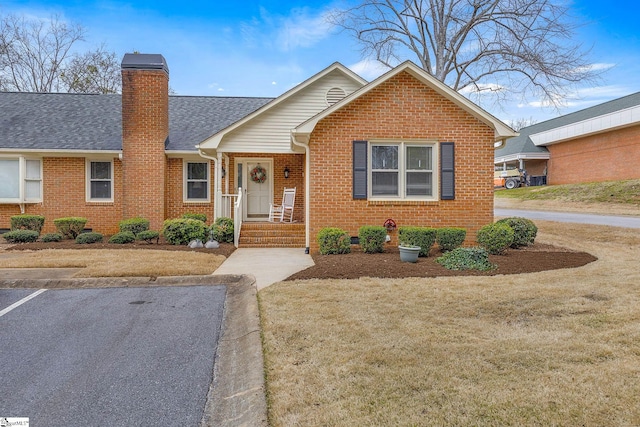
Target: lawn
pixel 550 348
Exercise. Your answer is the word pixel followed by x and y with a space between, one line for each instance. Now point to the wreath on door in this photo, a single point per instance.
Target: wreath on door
pixel 258 174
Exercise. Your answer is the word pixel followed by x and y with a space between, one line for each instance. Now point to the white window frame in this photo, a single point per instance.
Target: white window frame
pixel 402 169
pixel 186 181
pixel 23 179
pixel 88 180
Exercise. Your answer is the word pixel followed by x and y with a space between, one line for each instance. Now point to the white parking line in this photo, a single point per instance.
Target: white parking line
pixel 22 301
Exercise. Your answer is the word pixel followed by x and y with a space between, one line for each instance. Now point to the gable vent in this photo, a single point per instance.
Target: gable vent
pixel 334 95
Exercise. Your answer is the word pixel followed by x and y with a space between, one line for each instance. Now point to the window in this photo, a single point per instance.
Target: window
pixel 402 170
pixel 99 181
pixel 20 180
pixel 196 181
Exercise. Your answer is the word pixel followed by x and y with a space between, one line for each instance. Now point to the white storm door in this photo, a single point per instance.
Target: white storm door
pixel 257 195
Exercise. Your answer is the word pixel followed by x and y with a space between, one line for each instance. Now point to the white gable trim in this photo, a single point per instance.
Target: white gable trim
pixel 502 131
pixel 213 141
pixel 604 123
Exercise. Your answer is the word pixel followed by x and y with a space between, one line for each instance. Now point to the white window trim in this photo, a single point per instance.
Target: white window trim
pixel 402 171
pixel 185 171
pixel 22 170
pixel 87 169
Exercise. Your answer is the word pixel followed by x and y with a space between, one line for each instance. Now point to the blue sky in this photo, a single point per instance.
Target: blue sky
pixel 263 48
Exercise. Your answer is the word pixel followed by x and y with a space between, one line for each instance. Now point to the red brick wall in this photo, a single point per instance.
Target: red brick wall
pixel 401 108
pixel 609 156
pixel 64 194
pixel 145 128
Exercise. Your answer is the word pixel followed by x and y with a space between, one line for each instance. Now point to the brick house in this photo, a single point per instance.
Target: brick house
pixel 600 143
pixel 403 146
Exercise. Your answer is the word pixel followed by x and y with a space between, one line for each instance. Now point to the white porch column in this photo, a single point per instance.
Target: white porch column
pixel 218 178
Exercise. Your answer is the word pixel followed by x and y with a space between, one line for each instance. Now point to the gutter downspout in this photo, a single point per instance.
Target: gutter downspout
pixel 307 191
pixel 218 190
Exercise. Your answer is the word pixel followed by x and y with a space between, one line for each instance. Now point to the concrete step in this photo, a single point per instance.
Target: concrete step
pixel 272 235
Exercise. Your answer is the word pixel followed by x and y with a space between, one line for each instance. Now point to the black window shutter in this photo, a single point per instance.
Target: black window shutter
pixel 447 171
pixel 359 169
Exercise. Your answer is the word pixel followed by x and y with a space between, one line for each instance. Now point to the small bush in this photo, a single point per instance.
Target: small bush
pixel 524 230
pixel 87 238
pixel 21 236
pixel 495 238
pixel 181 231
pixel 123 237
pixel 148 236
pixel 222 230
pixel 199 217
pixel 449 238
pixel 70 227
pixel 424 237
pixel 466 259
pixel 372 238
pixel 134 225
pixel 27 222
pixel 333 240
pixel 52 237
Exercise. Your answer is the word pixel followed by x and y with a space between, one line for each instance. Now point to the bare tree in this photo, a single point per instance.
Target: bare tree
pixel 33 52
pixel 521 122
pixel 95 71
pixel 476 46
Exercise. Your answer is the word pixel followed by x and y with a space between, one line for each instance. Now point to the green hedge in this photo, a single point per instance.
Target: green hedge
pixel 87 238
pixel 181 231
pixel 134 225
pixel 372 238
pixel 21 236
pixel 333 240
pixel 495 238
pixel 70 227
pixel 466 259
pixel 27 222
pixel 52 237
pixel 123 237
pixel 524 230
pixel 222 230
pixel 450 238
pixel 424 237
pixel 148 236
pixel 198 216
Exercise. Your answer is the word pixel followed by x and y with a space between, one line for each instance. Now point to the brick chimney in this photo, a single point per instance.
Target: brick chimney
pixel 145 129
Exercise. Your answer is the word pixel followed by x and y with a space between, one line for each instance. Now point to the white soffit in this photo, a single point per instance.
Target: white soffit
pixel 606 122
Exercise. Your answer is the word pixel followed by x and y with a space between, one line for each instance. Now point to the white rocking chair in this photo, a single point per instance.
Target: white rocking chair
pixel 283 212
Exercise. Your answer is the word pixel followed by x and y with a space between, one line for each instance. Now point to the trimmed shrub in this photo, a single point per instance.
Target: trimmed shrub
pixel 52 237
pixel 524 230
pixel 449 238
pixel 70 227
pixel 123 237
pixel 148 236
pixel 199 217
pixel 222 230
pixel 333 240
pixel 87 238
pixel 134 225
pixel 495 238
pixel 372 238
pixel 424 237
pixel 21 236
pixel 181 231
pixel 27 222
pixel 466 259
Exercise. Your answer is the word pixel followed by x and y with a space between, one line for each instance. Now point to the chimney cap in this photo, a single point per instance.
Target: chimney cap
pixel 144 61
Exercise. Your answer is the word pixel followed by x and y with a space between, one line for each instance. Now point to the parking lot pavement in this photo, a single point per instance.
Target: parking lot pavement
pixel 117 356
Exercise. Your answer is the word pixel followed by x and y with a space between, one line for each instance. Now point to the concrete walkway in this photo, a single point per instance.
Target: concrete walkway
pixel 267 265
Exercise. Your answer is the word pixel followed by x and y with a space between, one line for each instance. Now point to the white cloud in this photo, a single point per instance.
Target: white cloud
pixel 369 69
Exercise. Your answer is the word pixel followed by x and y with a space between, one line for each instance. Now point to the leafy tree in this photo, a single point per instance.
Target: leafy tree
pixel 476 46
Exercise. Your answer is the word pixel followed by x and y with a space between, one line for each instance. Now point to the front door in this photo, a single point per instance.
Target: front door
pixel 256 179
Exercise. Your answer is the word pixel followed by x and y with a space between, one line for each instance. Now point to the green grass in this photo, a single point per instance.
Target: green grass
pixel 624 192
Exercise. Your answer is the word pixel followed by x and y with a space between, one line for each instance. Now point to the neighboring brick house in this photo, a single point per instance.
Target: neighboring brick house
pixel 404 146
pixel 600 143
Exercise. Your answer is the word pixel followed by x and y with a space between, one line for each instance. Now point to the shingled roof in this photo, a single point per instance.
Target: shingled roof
pixel 91 122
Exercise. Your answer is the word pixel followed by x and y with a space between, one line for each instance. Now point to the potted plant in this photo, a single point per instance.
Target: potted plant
pixel 409 253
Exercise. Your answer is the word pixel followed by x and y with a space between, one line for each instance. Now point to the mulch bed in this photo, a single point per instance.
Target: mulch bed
pixel 537 257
